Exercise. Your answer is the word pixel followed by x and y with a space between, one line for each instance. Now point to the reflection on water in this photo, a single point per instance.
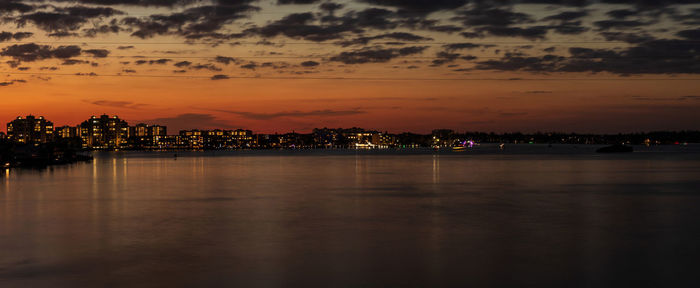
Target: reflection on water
pixel 353 219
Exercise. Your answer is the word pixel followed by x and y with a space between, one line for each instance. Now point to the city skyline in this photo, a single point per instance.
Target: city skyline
pixel 112 133
pixel 575 66
pixel 176 131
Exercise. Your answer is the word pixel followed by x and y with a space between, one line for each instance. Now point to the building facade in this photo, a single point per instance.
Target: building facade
pixel 65 132
pixel 146 136
pixel 30 130
pixel 104 132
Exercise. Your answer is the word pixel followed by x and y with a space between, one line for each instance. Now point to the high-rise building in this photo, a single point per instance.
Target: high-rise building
pixel 66 132
pixel 104 132
pixel 30 129
pixel 146 136
pixel 145 130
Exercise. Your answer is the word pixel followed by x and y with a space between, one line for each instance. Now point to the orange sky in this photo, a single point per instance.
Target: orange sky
pixel 404 93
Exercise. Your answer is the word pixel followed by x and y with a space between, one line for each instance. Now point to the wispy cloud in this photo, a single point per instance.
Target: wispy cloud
pixel 116 104
pixel 293 114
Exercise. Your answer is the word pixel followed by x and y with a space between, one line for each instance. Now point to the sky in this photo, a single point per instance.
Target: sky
pixel 271 66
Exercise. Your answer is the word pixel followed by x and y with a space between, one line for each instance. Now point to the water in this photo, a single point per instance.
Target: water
pixel 528 216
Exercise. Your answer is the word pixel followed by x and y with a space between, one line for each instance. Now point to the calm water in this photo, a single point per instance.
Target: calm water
pixel 533 216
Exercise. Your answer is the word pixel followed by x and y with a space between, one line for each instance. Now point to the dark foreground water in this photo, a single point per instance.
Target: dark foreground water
pixel 533 216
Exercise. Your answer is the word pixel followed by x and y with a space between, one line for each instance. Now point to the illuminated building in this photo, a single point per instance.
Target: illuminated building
pixel 217 139
pixel 443 138
pixel 66 132
pixel 384 140
pixel 30 129
pixel 326 138
pixel 191 139
pixel 104 132
pixel 143 136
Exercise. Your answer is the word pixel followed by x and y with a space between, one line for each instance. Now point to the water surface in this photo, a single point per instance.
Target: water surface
pixel 530 215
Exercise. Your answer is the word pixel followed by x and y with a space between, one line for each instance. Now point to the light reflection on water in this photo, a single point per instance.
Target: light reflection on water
pixel 353 219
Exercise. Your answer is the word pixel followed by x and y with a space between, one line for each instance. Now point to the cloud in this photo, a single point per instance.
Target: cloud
pixel 226 60
pixel 162 61
pixel 419 6
pixel 33 52
pixel 18 36
pixel 293 114
pixel 693 34
pixel 183 64
pixel 309 64
pixel 618 24
pixel 376 55
pixel 287 2
pixel 219 77
pixel 97 53
pixel 8 83
pixel 116 104
pixel 567 16
pixel 652 57
pixel 207 66
pixel 63 19
pixel 401 36
pixel 189 121
pixel 197 22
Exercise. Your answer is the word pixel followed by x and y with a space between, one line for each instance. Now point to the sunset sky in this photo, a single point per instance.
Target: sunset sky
pixel 394 65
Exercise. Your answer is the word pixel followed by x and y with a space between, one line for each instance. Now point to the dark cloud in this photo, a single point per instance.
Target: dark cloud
pixel 69 62
pixel 219 77
pixel 183 64
pixel 250 66
pixel 401 36
pixel 626 37
pixel 459 46
pixel 567 16
pixel 162 3
pixel 97 53
pixel 652 57
pixel 65 19
pixel 13 6
pixel 419 6
pixel 376 54
pixel 444 57
pixel 207 66
pixel 300 25
pixel 33 52
pixel 226 60
pixel 490 16
pixel 330 7
pixel 152 62
pixel 690 34
pixel 618 24
pixel 287 2
pixel 569 28
pixel 18 36
pixel 309 64
pixel 197 22
pixel 621 13
pixel 535 32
